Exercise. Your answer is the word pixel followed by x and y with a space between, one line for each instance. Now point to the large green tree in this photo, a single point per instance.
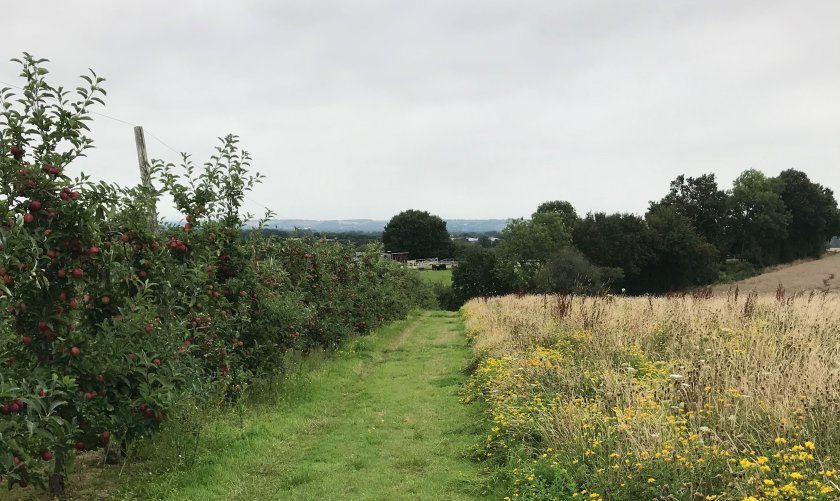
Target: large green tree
pixel 758 219
pixel 564 209
pixel 702 202
pixel 527 244
pixel 814 217
pixel 621 241
pixel 479 273
pixel 419 233
pixel 682 257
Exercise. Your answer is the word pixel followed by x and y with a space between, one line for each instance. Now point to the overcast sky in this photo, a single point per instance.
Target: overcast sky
pixel 467 109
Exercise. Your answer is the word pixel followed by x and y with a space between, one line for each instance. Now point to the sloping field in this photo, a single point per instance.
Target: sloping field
pixel 820 275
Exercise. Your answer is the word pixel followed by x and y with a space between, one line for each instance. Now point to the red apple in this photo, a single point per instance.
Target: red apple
pixel 75 351
pixel 35 205
pixel 94 250
pixel 26 339
pixel 46 455
pixel 78 273
pixel 28 217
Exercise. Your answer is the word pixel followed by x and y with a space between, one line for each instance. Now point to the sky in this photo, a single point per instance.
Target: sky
pixel 466 109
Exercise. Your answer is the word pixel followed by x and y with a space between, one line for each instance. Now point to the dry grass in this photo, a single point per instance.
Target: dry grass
pixel 704 382
pixel 815 275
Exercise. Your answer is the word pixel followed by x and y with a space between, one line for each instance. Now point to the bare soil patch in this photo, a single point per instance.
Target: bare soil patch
pixel 821 275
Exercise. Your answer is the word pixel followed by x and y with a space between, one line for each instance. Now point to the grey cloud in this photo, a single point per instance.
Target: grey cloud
pixel 464 108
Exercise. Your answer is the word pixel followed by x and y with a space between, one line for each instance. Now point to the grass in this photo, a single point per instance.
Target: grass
pixel 730 397
pixel 379 419
pixel 437 276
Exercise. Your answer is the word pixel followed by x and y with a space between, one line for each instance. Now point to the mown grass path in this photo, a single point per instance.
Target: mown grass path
pixel 380 420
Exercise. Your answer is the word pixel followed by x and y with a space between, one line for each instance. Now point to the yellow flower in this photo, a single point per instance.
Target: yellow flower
pixel 789 488
pixel 779 441
pixel 796 475
pixel 810 445
pixel 769 482
pixel 651 480
pixel 750 498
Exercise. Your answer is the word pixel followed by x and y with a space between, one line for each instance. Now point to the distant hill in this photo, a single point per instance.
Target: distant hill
pixel 375 226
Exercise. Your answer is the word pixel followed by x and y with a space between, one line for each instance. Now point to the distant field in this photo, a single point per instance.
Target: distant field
pixel 437 277
pixel 820 275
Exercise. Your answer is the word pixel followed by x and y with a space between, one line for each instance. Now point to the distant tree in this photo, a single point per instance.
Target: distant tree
pixel 569 272
pixel 565 209
pixel 621 241
pixel 485 242
pixel 480 273
pixel 682 257
pixel 702 202
pixel 460 248
pixel 534 239
pixel 419 233
pixel 528 243
pixel 814 217
pixel 758 219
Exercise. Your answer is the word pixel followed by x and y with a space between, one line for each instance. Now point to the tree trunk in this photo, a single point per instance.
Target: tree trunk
pixel 57 477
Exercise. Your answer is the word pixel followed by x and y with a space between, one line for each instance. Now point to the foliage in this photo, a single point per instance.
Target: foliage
pixel 758 218
pixel 419 233
pixel 478 274
pixel 702 202
pixel 109 324
pixel 568 271
pixel 565 209
pixel 734 270
pixel 528 243
pixel 814 217
pixel 682 258
pixel 621 241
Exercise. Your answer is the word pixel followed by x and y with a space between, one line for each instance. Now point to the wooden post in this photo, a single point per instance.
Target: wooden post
pixel 145 174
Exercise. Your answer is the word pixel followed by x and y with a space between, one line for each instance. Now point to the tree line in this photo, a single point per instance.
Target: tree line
pixel 682 241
